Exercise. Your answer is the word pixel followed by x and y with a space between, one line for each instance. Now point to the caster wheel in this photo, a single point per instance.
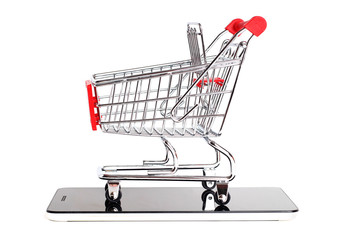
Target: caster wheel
pixel 208 200
pixel 222 208
pixel 218 201
pixel 208 185
pixel 112 207
pixel 111 199
pixel 205 194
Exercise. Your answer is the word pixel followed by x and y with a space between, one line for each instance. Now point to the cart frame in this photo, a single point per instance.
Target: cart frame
pixel 182 99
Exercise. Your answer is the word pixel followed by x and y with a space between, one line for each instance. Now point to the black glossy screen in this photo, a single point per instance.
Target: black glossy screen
pixel 167 200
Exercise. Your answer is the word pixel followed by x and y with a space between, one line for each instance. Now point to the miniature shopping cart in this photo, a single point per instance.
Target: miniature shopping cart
pixel 181 99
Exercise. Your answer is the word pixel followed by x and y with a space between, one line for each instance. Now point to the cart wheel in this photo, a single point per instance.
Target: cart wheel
pixel 205 194
pixel 111 199
pixel 112 206
pixel 221 202
pixel 222 208
pixel 208 185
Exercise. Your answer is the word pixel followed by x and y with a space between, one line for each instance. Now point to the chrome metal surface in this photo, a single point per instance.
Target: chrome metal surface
pixel 171 172
pixel 180 99
pixel 222 191
pixel 197 51
pixel 114 189
pixel 187 98
pixel 200 78
pixel 174 167
pixel 209 172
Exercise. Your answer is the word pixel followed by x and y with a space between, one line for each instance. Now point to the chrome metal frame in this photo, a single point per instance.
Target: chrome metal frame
pixel 162 171
pixel 167 172
pixel 179 99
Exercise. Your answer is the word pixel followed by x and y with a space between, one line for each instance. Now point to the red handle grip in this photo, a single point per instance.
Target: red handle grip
pixel 92 101
pixel 255 25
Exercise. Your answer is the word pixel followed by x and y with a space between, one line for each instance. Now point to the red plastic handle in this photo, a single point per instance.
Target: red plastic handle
pixel 92 101
pixel 255 25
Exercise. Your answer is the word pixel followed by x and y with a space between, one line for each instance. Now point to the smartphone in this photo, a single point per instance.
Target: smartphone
pixel 171 204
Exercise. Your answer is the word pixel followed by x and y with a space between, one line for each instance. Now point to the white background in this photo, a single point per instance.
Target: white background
pixel 287 126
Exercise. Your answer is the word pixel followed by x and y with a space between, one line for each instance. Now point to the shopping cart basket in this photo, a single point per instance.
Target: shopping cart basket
pixel 181 99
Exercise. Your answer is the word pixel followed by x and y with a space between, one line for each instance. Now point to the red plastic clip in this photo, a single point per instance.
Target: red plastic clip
pixel 218 81
pixel 255 25
pixel 92 101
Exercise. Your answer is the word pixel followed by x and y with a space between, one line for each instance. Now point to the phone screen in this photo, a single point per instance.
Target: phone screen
pixel 171 200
